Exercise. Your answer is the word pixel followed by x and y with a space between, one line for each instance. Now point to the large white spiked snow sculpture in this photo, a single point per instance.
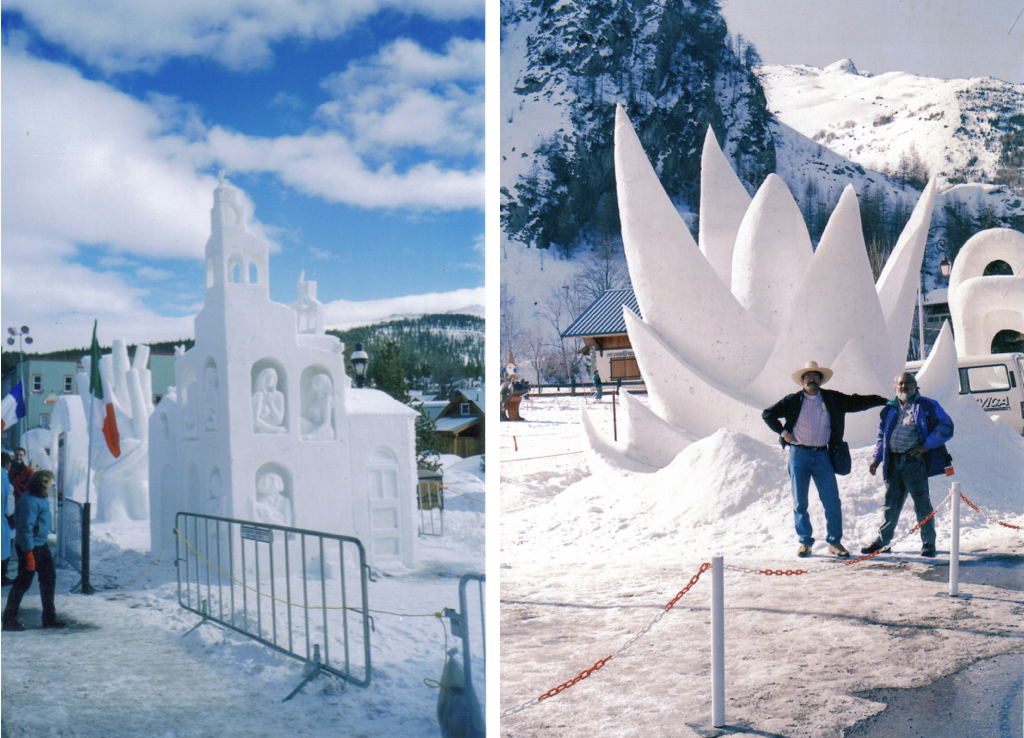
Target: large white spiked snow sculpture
pixel 264 424
pixel 117 486
pixel 982 306
pixel 727 322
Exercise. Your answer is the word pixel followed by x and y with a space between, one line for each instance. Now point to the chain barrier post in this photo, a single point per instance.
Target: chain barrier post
pixel 954 546
pixel 717 643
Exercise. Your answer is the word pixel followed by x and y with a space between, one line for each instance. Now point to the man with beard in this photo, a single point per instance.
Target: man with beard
pixel 911 447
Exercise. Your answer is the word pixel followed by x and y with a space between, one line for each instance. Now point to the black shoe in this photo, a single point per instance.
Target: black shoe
pixel 13 625
pixel 928 551
pixel 55 623
pixel 871 548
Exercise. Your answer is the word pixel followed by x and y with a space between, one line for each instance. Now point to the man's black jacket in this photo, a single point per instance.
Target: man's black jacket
pixel 837 404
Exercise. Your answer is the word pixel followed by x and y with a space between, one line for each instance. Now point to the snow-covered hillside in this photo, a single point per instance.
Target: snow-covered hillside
pixel 955 126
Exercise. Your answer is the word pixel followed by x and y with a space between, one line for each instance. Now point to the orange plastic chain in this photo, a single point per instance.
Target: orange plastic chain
pixel 587 672
pixel 976 509
pixel 575 680
pixel 703 568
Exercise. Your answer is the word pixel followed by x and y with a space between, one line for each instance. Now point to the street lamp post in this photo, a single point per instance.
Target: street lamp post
pixel 23 338
pixel 359 359
pixel 945 268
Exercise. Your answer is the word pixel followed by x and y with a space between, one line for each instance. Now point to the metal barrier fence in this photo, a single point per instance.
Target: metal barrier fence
pixel 471 642
pixel 300 592
pixel 72 525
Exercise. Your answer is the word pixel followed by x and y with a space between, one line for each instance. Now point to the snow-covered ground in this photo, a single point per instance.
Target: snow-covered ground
pixel 128 666
pixel 590 557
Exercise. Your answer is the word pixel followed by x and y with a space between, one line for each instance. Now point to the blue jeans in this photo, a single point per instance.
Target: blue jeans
pixel 907 475
pixel 805 465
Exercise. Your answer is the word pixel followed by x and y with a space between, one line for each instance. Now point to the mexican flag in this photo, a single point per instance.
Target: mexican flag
pixel 13 407
pixel 105 407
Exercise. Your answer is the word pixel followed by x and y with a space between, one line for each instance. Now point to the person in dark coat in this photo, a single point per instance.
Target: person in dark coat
pixel 811 424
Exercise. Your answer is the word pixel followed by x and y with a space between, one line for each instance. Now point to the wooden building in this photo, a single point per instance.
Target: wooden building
pixel 460 426
pixel 603 330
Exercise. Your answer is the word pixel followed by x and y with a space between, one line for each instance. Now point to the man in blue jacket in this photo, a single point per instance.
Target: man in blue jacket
pixel 911 447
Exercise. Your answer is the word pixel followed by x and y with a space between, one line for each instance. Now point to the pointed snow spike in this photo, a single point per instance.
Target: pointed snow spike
pixel 857 373
pixel 647 438
pixel 836 285
pixel 680 393
pixel 723 202
pixel 939 377
pixel 662 256
pixel 772 252
pixel 900 279
pixel 608 452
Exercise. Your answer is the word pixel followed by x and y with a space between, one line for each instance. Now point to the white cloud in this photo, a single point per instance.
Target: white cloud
pixel 407 96
pixel 343 314
pixel 326 166
pixel 59 300
pixel 124 35
pixel 86 164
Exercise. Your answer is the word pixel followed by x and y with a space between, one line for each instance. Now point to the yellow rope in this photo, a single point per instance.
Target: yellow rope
pixel 149 567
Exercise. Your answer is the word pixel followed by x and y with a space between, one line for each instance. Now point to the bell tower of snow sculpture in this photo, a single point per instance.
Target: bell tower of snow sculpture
pixel 263 423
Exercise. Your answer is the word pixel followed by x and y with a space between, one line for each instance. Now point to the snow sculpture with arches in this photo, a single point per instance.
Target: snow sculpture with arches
pixel 264 423
pixel 984 305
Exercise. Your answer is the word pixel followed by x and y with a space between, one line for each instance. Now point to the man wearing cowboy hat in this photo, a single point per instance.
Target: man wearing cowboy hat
pixel 815 420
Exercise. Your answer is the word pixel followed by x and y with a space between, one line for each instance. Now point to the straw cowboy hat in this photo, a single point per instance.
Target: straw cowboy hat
pixel 812 366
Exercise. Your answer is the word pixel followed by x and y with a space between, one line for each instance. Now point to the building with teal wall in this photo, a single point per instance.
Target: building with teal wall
pixel 45 380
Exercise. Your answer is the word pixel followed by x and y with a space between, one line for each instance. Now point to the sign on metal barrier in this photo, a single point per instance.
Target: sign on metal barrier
pixel 300 592
pixel 257 533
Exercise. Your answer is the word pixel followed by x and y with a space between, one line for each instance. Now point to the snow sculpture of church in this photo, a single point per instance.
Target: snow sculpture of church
pixel 263 423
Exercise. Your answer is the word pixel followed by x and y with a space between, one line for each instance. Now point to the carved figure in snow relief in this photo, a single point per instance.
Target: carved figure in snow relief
pixel 211 398
pixel 268 404
pixel 271 504
pixel 317 418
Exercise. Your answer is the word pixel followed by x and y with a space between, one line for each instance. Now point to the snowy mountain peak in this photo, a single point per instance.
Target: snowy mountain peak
pixel 845 66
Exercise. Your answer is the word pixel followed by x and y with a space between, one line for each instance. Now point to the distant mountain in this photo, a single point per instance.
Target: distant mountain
pixel 438 350
pixel 960 131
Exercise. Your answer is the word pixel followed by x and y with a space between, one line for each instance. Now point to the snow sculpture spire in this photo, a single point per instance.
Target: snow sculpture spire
pixel 234 257
pixel 723 202
pixel 725 323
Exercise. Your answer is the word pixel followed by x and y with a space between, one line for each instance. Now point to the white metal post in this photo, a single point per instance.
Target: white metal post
pixel 954 546
pixel 717 643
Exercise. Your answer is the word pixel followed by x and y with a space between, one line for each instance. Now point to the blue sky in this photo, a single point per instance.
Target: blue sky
pixel 355 129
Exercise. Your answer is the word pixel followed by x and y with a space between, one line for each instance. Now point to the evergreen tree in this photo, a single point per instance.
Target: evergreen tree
pixel 387 373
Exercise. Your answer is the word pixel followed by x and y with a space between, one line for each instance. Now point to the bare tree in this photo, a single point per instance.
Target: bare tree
pixel 601 270
pixel 535 351
pixel 561 308
pixel 511 328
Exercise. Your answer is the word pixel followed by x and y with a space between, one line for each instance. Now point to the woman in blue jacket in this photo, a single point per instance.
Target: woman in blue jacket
pixel 32 523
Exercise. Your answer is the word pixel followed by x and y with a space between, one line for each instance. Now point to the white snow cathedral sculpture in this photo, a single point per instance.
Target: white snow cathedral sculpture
pixel 264 424
pixel 726 322
pixel 982 306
